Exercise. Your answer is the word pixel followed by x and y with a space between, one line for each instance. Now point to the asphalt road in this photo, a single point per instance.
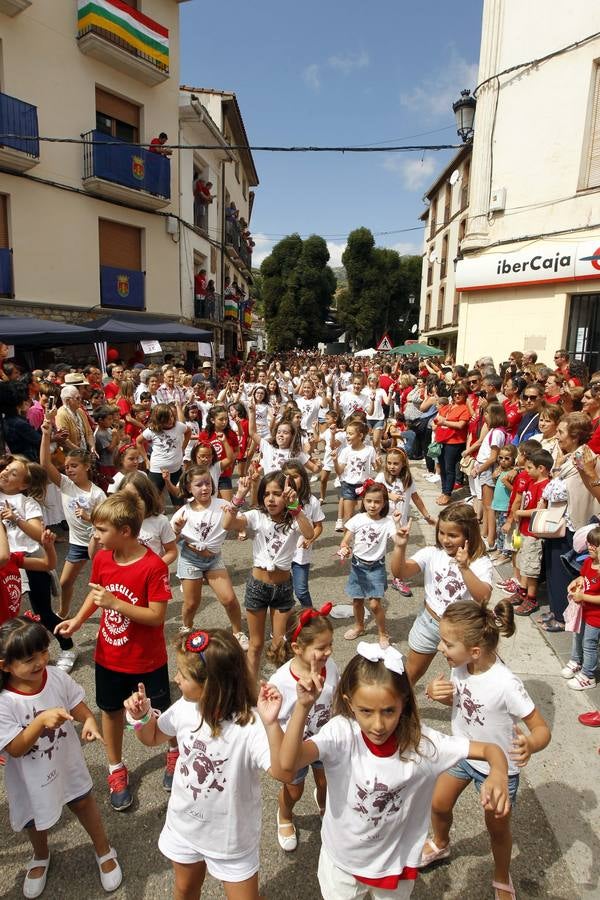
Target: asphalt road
pixel 556 825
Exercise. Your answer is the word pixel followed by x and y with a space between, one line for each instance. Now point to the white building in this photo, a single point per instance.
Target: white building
pixel 530 276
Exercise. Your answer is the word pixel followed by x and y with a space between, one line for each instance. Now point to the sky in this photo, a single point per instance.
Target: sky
pixel 342 73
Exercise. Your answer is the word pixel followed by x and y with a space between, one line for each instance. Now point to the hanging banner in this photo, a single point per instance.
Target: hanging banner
pixel 151 347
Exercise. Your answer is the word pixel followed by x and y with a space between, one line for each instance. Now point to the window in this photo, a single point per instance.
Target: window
pixel 440 309
pixel 444 260
pixel 120 245
pixel 432 218
pixel 427 311
pixel 464 193
pixel 455 308
pixel 591 163
pixel 429 276
pixel 447 202
pixel 117 117
pixel 461 230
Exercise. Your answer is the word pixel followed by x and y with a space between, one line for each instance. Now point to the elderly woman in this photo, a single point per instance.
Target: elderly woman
pixel 71 418
pixel 567 486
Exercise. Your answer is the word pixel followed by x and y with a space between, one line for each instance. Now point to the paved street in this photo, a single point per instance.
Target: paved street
pixel 556 820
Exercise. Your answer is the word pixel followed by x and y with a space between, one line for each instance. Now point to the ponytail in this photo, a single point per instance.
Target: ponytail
pixel 480 626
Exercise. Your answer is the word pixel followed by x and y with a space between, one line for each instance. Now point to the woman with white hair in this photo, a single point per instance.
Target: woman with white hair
pixel 71 418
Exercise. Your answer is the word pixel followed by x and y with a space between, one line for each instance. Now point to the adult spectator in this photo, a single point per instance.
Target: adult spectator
pixel 533 399
pixel 450 430
pixel 552 387
pixel 157 145
pixel 169 392
pixel 20 436
pixel 200 290
pixel 112 387
pixel 71 419
pixel 529 358
pixel 590 404
pixel 512 389
pixel 93 376
pixel 561 361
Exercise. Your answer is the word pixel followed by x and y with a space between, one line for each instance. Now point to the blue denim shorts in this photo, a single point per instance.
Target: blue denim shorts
pixel 376 423
pixel 225 483
pixel 191 566
pixel 465 772
pixel 348 491
pixel 260 595
pixel 366 579
pixel 301 774
pixel 424 636
pixel 76 554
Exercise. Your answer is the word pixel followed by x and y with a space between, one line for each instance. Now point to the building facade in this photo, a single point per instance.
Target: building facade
pixel 529 278
pixel 85 222
pixel 445 225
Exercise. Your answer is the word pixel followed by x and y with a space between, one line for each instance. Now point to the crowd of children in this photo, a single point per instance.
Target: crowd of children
pixel 243 461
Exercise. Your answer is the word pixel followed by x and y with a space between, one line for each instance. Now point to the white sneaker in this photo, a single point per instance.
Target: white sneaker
pixel 314 479
pixel 66 660
pixel 339 525
pixel 571 669
pixel 433 478
pixel 581 682
pixel 242 640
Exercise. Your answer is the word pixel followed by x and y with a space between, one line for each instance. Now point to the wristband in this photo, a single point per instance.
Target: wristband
pixel 294 511
pixel 293 506
pixel 138 724
pixel 238 502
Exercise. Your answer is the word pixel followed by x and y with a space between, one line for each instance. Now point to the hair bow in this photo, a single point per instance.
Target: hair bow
pixel 125 447
pixel 309 614
pixel 364 486
pixel 391 658
pixel 197 642
pixel 31 616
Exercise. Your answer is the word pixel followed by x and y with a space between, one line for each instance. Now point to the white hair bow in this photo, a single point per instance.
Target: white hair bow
pixel 391 658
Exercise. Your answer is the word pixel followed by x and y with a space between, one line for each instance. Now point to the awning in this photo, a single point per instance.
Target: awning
pixel 26 330
pixel 119 329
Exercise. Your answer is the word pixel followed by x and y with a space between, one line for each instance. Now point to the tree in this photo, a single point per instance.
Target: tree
pixel 297 289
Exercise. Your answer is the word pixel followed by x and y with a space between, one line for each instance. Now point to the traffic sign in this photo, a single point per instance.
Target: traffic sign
pixel 384 344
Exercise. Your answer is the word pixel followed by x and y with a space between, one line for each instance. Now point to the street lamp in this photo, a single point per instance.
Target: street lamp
pixel 464 110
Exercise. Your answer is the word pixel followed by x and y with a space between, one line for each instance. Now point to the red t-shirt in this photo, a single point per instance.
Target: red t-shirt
pixel 591 585
pixel 216 442
pixel 513 416
pixel 532 496
pixel 124 645
pixel 385 381
pixel 454 412
pixel 155 145
pixel 199 285
pixel 594 441
pixel 111 390
pixel 519 486
pixel 475 421
pixel 10 587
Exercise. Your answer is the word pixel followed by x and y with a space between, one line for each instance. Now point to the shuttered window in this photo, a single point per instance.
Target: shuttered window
pixel 4 241
pixel 116 116
pixel 120 245
pixel 592 168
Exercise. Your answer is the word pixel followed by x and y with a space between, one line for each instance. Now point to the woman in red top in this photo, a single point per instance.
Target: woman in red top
pixel 512 406
pixel 450 426
pixel 218 432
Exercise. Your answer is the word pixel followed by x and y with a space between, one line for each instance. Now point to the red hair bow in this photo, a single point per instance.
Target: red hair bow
pixel 125 447
pixel 364 486
pixel 197 642
pixel 309 614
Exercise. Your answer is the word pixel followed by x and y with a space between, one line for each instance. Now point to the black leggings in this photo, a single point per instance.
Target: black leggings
pixel 40 597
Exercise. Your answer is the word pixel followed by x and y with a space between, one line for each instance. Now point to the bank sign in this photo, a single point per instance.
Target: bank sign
pixel 538 263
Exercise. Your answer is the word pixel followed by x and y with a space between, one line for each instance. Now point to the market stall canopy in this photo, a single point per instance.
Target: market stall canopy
pixel 417 350
pixel 368 352
pixel 118 329
pixel 30 332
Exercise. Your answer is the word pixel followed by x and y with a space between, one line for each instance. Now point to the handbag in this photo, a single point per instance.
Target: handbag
pixel 466 464
pixel 434 451
pixel 573 616
pixel 549 523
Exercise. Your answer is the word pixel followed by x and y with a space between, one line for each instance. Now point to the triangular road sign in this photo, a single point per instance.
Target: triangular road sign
pixel 385 343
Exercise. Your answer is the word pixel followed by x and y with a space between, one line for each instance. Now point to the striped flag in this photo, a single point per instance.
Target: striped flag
pixel 143 34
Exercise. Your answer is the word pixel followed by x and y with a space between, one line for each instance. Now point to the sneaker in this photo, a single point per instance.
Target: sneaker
pixel 527 607
pixel 402 587
pixel 66 660
pixel 314 479
pixel 120 795
pixel 581 682
pixel 339 525
pixel 170 765
pixel 571 669
pixel 183 630
pixel 510 586
pixel 242 640
pixel 433 478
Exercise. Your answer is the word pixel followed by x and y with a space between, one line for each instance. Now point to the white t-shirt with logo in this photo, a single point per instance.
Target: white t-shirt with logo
pixel 443 580
pixel 53 772
pixel 402 504
pixel 358 464
pixel 167 452
pixel 314 513
pixel 215 804
pixel 342 441
pixel 203 527
pixel 370 535
pixel 80 530
pixel 274 545
pixel 379 807
pixel 349 402
pixel 27 508
pixel 272 458
pixel 380 396
pixel 487 706
pixel 309 407
pixel 320 711
pixel 155 532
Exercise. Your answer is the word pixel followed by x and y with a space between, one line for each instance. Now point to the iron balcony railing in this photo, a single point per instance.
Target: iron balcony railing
pixel 210 308
pixel 19 126
pixel 6 272
pixel 127 164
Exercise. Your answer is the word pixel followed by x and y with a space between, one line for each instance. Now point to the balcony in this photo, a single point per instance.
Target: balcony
pixel 18 118
pixel 209 309
pixel 121 288
pixel 125 172
pixel 236 245
pixel 6 273
pixel 125 39
pixel 13 7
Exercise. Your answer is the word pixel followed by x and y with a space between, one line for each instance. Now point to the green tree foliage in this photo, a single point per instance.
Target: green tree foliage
pixel 297 290
pixel 376 296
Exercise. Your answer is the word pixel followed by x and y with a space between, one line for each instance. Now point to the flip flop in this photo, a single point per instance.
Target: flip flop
pixel 552 627
pixel 353 633
pixel 436 853
pixel 509 888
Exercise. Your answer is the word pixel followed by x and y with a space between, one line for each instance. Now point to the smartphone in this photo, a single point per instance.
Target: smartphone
pixel 51 403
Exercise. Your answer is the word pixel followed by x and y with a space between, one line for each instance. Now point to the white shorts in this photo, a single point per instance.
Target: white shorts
pixel 177 849
pixel 336 884
pixel 475 487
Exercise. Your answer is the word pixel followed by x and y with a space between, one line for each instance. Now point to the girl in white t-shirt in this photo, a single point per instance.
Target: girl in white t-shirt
pixel 193 419
pixel 128 460
pixel 304 550
pixel 354 463
pixel 401 492
pixel 485 463
pixel 308 639
pixel 156 531
pixel 45 768
pixel 200 535
pixel 374 410
pixel 277 524
pixel 487 702
pixel 457 568
pixel 381 766
pixel 370 530
pixel 334 438
pixel 213 818
pixel 169 438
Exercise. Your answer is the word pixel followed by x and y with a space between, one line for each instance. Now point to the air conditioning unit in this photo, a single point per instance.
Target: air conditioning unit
pixel 498 200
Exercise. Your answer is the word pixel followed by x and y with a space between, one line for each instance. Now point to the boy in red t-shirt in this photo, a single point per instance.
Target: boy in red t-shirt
pixel 130 584
pixel 517 479
pixel 529 558
pixel 10 576
pixel 581 668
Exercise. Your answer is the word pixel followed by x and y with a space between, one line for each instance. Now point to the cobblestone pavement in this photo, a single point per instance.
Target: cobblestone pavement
pixel 556 824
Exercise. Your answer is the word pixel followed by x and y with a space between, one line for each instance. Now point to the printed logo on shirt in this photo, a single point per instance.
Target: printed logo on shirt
pixel 318 716
pixel 48 741
pixel 448 586
pixel 356 468
pixel 369 535
pixel 12 586
pixel 469 708
pixel 377 803
pixel 208 771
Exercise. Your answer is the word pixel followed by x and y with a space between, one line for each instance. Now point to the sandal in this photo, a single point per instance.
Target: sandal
pixel 33 887
pixel 287 842
pixel 552 626
pixel 509 888
pixel 435 854
pixel 353 633
pixel 110 881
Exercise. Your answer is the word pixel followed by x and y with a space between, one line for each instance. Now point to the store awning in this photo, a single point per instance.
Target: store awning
pixel 31 332
pixel 119 329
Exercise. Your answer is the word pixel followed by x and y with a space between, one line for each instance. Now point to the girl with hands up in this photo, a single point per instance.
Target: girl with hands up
pixel 226 738
pixel 488 702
